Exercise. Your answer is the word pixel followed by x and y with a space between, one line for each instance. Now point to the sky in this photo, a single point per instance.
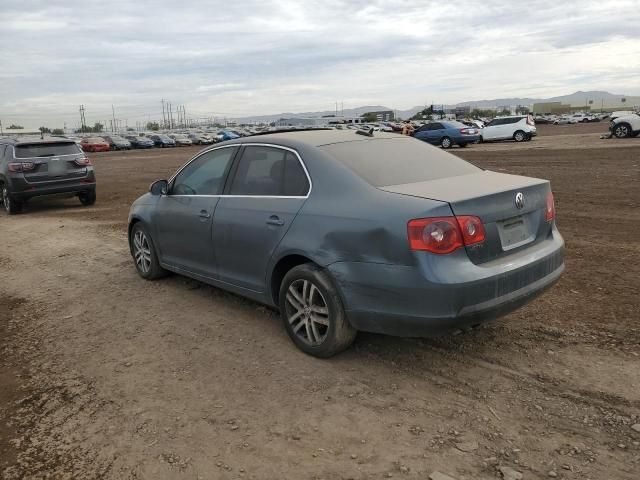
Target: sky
pixel 242 58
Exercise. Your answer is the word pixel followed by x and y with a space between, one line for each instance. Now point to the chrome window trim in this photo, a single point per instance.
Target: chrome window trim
pixel 304 167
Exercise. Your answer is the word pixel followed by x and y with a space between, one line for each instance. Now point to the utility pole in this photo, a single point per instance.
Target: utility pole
pixel 164 122
pixel 83 124
pixel 1 131
pixel 113 114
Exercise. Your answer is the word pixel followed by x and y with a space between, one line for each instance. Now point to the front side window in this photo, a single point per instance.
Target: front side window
pixel 205 175
pixel 269 171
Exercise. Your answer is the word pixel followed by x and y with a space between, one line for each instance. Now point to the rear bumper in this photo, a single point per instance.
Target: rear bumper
pixel 466 139
pixel 406 301
pixel 21 190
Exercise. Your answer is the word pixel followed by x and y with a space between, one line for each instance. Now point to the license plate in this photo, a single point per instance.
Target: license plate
pixel 514 232
pixel 56 167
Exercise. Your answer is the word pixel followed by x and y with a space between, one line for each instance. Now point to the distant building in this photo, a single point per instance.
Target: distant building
pixel 316 121
pixel 462 111
pixel 383 115
pixel 554 108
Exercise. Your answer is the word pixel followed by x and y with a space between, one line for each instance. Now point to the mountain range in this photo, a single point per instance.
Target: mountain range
pixel 576 98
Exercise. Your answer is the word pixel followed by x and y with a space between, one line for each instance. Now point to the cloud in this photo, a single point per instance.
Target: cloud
pixel 257 57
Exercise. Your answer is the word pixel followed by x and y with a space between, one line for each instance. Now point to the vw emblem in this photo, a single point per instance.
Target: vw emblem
pixel 519 200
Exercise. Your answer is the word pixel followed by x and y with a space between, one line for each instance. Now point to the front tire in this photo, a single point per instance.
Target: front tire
pixel 11 206
pixel 446 142
pixel 87 198
pixel 622 130
pixel 519 136
pixel 144 254
pixel 312 312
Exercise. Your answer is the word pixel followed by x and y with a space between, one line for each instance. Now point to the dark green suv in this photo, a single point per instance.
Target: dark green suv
pixel 34 167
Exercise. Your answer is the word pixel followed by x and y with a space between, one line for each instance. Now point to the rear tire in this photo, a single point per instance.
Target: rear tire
pixel 87 198
pixel 312 312
pixel 445 142
pixel 519 136
pixel 11 206
pixel 144 254
pixel 481 139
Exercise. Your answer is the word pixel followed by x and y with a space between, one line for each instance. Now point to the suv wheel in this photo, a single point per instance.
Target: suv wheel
pixel 446 142
pixel 11 206
pixel 312 312
pixel 87 198
pixel 144 254
pixel 621 130
pixel 519 136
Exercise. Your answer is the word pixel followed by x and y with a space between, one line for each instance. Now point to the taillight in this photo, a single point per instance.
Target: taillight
pixel 550 211
pixel 472 229
pixel 444 234
pixel 21 166
pixel 467 131
pixel 82 161
pixel 530 121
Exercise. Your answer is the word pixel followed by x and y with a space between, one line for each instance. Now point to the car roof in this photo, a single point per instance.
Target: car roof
pixel 314 137
pixel 31 140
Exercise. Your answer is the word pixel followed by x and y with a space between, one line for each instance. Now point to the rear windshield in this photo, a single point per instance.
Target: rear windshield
pixel 386 162
pixel 46 150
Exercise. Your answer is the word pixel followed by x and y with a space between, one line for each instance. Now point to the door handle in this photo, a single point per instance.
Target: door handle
pixel 275 220
pixel 204 214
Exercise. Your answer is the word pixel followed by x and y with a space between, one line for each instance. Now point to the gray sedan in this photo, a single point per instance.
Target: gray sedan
pixel 344 232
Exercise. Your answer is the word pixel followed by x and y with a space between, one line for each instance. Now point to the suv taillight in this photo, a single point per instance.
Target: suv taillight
pixel 21 166
pixel 530 121
pixel 82 161
pixel 444 234
pixel 550 210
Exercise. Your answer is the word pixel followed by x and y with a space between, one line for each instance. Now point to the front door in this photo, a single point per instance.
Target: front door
pixel 264 195
pixel 184 218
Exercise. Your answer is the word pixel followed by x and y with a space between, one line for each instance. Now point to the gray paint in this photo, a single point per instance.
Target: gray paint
pixel 359 234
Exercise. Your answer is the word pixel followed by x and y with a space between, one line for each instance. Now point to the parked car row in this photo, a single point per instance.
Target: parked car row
pixel 109 142
pixel 448 133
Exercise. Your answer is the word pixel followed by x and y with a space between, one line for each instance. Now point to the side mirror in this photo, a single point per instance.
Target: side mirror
pixel 159 187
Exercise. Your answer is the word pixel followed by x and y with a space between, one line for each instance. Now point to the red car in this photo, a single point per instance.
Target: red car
pixel 94 144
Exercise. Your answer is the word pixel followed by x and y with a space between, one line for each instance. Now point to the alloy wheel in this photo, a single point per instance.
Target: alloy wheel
pixel 142 251
pixel 6 201
pixel 621 131
pixel 307 312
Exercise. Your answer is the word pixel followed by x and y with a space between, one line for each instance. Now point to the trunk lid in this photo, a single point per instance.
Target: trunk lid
pixel 510 225
pixel 53 161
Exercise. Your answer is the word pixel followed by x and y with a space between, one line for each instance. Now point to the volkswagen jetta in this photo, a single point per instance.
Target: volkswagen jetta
pixel 346 231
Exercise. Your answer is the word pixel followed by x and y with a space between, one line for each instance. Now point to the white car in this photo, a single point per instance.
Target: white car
pixel 517 127
pixel 626 126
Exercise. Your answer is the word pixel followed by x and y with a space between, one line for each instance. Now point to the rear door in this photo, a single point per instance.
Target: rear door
pixel 52 162
pixel 183 219
pixel 268 187
pixel 494 130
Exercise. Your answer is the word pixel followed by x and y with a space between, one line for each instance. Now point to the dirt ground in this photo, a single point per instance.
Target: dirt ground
pixel 105 375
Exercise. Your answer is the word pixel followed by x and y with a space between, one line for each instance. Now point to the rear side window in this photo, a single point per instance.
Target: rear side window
pixel 205 175
pixel 386 162
pixel 269 171
pixel 46 150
